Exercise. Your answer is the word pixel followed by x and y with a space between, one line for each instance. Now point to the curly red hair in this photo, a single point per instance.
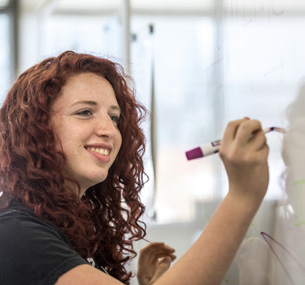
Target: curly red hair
pixel 104 223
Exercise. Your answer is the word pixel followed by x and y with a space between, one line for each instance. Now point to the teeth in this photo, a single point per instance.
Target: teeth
pixel 99 150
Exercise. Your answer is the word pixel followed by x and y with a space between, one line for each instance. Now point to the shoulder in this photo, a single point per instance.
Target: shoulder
pixel 20 219
pixel 17 221
pixel 34 248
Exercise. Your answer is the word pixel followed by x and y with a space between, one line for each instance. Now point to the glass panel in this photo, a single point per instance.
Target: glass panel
pixel 97 35
pixel 3 3
pixel 207 74
pixel 181 49
pixel 264 63
pixel 172 5
pixel 92 5
pixel 263 7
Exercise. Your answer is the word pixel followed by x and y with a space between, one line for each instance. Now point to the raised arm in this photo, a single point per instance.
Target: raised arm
pixel 244 153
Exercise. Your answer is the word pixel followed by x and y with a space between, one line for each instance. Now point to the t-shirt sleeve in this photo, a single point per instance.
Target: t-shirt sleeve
pixel 33 252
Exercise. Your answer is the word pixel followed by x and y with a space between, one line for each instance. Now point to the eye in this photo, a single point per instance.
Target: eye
pixel 84 113
pixel 115 119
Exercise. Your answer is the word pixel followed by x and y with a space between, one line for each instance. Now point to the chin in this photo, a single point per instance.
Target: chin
pixel 98 180
pixel 92 180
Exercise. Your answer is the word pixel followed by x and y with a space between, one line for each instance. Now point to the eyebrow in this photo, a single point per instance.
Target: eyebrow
pixel 93 103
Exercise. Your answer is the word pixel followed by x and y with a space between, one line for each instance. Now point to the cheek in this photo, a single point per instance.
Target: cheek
pixel 119 141
pixel 63 135
pixel 56 131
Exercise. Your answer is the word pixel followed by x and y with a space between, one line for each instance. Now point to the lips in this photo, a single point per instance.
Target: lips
pixel 100 151
pixel 103 151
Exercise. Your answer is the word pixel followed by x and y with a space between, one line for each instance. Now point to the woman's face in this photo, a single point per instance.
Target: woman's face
pixel 84 118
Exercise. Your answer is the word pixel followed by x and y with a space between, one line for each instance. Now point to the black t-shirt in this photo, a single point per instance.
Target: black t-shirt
pixel 32 251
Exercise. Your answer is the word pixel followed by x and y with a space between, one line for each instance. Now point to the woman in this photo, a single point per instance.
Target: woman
pixel 71 173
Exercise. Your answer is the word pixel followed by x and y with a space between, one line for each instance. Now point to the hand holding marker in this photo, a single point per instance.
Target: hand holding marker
pixel 213 147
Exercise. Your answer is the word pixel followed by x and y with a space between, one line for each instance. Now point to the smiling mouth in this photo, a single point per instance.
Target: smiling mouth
pixel 102 151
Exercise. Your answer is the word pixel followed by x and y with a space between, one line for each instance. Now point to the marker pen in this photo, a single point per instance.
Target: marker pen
pixel 213 147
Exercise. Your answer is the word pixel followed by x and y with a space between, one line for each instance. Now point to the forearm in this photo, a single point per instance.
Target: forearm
pixel 209 258
pixel 244 153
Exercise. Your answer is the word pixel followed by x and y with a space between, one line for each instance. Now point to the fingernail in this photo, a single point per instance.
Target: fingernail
pixel 167 259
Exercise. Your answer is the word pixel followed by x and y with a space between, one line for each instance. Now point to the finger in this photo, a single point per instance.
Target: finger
pixel 172 256
pixel 153 258
pixel 149 250
pixel 231 129
pixel 156 248
pixel 163 266
pixel 247 130
pixel 165 249
pixel 258 140
pixel 161 245
pixel 153 246
pixel 162 255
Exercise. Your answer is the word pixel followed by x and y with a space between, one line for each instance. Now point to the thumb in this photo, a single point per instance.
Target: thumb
pixel 163 265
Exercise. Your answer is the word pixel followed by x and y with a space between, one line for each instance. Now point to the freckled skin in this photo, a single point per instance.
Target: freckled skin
pixel 84 114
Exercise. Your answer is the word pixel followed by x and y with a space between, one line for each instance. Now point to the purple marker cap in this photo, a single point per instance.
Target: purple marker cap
pixel 194 153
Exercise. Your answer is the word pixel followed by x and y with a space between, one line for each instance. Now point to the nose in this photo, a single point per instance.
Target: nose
pixel 105 127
